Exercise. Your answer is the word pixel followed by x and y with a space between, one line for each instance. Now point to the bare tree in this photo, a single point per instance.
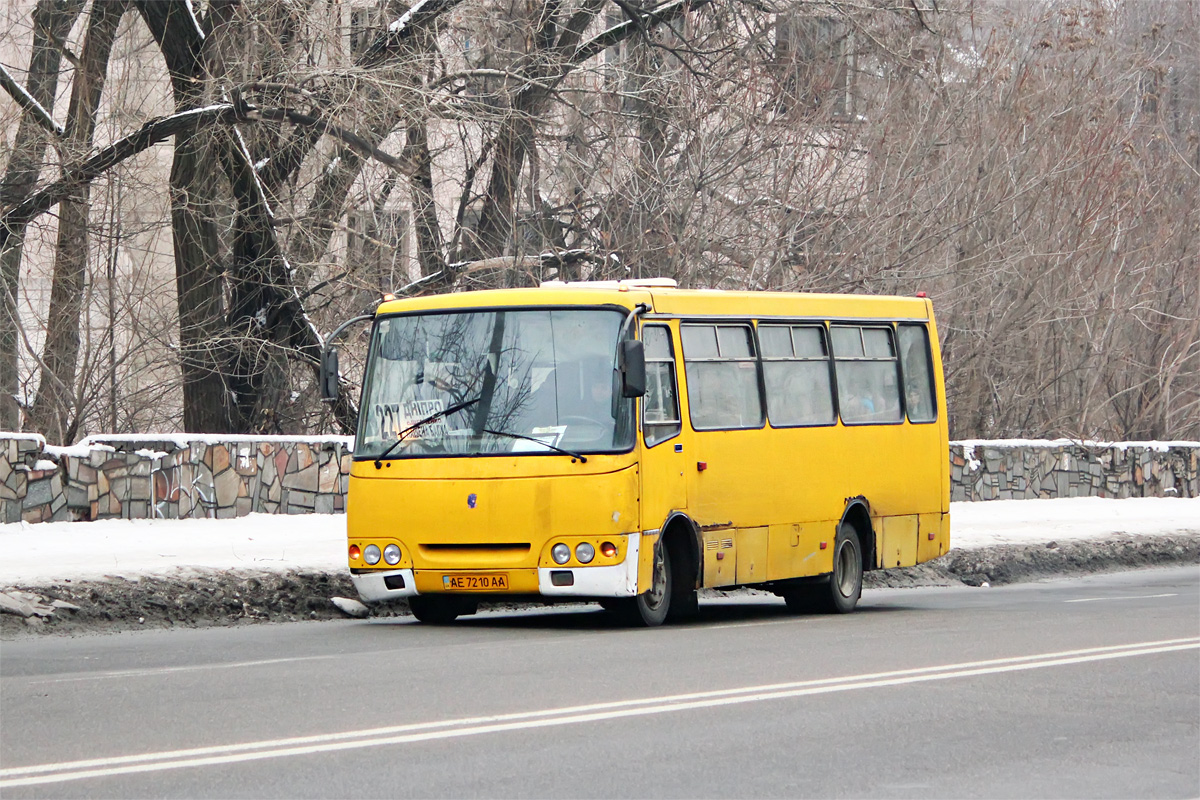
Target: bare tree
pixel 52 411
pixel 52 21
pixel 1032 167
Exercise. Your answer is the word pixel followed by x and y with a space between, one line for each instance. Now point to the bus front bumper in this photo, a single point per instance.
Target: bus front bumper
pixel 617 580
pixel 375 587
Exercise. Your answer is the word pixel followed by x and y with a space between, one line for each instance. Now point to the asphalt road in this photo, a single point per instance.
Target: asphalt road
pixel 1073 688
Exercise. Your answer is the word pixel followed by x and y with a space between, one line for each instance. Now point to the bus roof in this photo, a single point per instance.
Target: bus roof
pixel 667 300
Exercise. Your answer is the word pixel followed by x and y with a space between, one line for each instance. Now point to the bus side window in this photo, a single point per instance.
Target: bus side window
pixel 796 375
pixel 722 377
pixel 660 405
pixel 867 380
pixel 915 364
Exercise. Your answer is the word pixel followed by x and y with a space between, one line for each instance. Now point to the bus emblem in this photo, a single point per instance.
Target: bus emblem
pixel 470 501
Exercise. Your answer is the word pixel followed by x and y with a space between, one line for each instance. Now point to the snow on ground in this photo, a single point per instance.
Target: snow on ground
pixel 1034 521
pixel 31 555
pixel 50 551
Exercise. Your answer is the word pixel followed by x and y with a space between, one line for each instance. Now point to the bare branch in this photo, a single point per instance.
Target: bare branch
pixel 26 101
pixel 150 134
pixel 162 128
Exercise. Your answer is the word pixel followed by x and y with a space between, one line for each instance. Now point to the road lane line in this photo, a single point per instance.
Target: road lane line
pixel 474 726
pixel 1134 597
pixel 574 709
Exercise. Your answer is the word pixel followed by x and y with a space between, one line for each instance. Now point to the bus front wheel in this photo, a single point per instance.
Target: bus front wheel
pixel 437 610
pixel 650 608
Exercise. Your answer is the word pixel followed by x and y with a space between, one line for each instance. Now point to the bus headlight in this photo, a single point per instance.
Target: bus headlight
pixel 391 554
pixel 560 553
pixel 371 554
pixel 584 552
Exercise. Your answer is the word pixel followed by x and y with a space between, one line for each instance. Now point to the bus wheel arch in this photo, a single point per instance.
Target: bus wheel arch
pixel 858 515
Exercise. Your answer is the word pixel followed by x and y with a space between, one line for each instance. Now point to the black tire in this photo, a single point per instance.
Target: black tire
pixel 845 583
pixel 437 610
pixel 804 599
pixel 839 592
pixel 685 604
pixel 650 608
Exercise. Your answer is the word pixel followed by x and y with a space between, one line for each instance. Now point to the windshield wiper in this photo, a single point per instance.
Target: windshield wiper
pixel 582 458
pixel 445 412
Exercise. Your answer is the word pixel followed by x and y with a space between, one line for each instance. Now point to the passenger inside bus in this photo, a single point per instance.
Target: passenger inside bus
pixel 857 400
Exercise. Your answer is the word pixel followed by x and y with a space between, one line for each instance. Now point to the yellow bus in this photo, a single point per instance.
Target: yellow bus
pixel 630 442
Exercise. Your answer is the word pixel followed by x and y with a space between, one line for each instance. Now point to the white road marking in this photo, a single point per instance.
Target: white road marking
pixel 1134 597
pixel 475 726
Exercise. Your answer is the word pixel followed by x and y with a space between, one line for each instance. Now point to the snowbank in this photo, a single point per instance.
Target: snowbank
pixel 36 554
pixel 54 551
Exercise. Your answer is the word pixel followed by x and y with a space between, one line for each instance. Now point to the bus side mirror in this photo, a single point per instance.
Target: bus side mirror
pixel 633 368
pixel 329 374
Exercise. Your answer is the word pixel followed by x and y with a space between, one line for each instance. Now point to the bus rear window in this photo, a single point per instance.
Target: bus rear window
pixel 916 364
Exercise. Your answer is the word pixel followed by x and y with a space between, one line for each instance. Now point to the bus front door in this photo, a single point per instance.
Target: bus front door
pixel 665 439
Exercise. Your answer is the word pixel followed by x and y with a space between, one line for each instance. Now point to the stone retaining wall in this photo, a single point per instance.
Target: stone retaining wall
pixel 181 476
pixel 1031 468
pixel 171 477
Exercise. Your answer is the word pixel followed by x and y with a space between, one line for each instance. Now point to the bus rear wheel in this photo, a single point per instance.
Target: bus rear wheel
pixel 840 591
pixel 438 610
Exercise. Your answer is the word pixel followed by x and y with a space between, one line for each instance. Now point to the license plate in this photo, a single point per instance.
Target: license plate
pixel 476 583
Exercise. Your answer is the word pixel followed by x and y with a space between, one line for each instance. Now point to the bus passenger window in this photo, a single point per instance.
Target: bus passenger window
pixel 915 363
pixel 722 377
pixel 660 405
pixel 796 374
pixel 867 379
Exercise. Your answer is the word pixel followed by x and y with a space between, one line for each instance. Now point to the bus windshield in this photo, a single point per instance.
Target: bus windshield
pixel 472 383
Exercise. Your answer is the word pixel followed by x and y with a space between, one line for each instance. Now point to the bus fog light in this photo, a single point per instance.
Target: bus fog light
pixel 391 554
pixel 371 554
pixel 608 550
pixel 584 552
pixel 560 553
